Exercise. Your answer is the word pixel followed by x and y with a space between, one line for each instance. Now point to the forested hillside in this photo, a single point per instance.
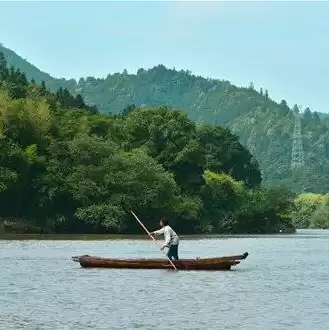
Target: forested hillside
pixel 265 127
pixel 66 168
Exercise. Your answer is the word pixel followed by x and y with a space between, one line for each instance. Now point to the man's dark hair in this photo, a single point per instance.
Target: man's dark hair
pixel 164 222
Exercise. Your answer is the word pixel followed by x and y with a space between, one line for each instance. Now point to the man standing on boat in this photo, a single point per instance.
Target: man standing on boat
pixel 171 239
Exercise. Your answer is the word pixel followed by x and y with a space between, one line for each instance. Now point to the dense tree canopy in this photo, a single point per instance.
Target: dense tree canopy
pixel 262 125
pixel 67 168
pixel 311 211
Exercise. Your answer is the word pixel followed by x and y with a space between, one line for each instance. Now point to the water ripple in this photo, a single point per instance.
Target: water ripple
pixel 283 284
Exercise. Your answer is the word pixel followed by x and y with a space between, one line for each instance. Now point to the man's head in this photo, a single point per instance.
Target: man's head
pixel 163 222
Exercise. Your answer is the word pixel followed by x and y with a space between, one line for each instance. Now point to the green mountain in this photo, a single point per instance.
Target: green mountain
pixel 266 127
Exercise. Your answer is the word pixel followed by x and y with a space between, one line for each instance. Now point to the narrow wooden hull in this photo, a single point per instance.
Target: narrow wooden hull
pixel 222 263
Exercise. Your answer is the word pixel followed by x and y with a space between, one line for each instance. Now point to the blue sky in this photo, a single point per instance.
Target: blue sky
pixel 280 46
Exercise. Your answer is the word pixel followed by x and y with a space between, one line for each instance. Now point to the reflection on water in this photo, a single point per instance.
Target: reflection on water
pixel 283 284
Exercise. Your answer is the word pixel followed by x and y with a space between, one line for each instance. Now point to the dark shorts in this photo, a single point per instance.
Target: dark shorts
pixel 173 252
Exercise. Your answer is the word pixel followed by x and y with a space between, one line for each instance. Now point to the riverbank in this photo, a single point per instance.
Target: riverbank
pixel 18 229
pixel 104 237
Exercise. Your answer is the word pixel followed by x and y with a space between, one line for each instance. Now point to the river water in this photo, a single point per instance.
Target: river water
pixel 283 284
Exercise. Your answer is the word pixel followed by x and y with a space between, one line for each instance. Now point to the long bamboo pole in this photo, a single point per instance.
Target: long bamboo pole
pixel 148 233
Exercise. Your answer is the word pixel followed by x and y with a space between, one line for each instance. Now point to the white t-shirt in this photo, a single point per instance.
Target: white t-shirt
pixel 171 238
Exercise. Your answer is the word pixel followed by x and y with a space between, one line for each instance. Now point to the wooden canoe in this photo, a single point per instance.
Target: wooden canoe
pixel 222 263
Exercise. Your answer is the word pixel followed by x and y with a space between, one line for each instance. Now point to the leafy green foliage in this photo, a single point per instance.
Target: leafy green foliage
pixel 67 168
pixel 222 195
pixel 262 125
pixel 311 211
pixel 171 138
pixel 264 211
pixel 226 154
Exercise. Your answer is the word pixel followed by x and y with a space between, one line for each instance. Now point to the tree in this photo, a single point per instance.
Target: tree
pixel 307 115
pixel 43 88
pixel 19 169
pixel 311 211
pixel 79 103
pixel 128 109
pixel 3 62
pixel 25 121
pixel 224 153
pixel 283 104
pixel 316 117
pixel 221 194
pixel 64 168
pixel 96 177
pixel 168 136
pixel 3 67
pixel 263 211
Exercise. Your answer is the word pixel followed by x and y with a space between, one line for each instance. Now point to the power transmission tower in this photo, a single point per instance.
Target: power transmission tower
pixel 297 153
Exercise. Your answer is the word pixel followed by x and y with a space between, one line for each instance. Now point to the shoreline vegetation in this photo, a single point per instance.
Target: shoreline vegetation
pixel 67 169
